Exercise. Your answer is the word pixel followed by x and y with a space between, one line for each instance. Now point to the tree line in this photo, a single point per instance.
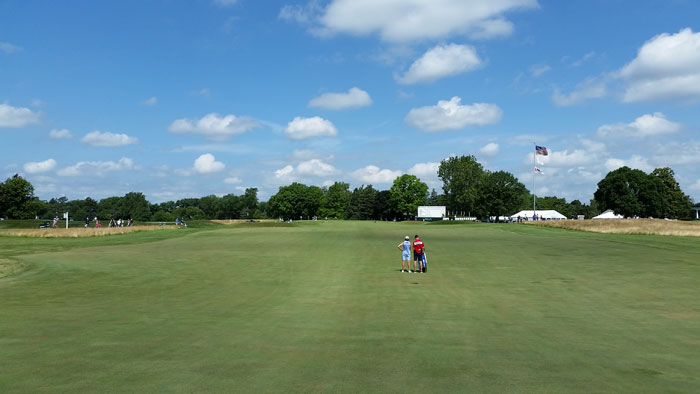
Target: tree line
pixel 468 190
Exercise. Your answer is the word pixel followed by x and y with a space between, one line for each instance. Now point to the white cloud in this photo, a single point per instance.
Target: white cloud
pixel 98 138
pixel 677 153
pixel 354 98
pixel 35 167
pixel 232 180
pixel 97 168
pixel 214 127
pixel 666 67
pixel 411 20
pixel 373 175
pixel 645 125
pixel 588 89
pixel 441 61
pixel 9 48
pixel 301 14
pixel 59 134
pixel 207 163
pixel 537 70
pixel 635 162
pixel 285 173
pixel 450 115
pixel 490 149
pixel 428 169
pixel 150 102
pixel 315 167
pixel 16 117
pixel 302 128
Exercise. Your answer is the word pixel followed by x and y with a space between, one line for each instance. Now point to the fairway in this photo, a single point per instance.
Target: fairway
pixel 322 307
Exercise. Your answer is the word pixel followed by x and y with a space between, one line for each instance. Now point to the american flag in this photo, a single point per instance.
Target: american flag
pixel 541 150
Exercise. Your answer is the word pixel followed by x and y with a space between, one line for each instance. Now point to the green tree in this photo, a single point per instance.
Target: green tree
pixel 249 203
pixel 631 193
pixel 407 193
pixel 229 207
pixel 16 194
pixel 362 203
pixel 135 206
pixel 295 201
pixel 462 178
pixel 382 206
pixel 335 200
pixel 677 203
pixel 501 194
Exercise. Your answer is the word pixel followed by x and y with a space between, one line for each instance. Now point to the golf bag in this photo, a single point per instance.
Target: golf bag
pixel 424 264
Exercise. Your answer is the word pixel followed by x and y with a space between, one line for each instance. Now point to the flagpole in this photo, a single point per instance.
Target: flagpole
pixel 534 205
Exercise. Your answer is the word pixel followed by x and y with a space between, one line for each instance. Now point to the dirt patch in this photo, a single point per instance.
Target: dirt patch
pixel 81 232
pixel 629 226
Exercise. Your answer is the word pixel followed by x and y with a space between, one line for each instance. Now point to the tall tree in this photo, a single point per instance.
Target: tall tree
pixel 501 194
pixel 407 193
pixel 295 201
pixel 362 203
pixel 677 203
pixel 335 200
pixel 16 193
pixel 462 178
pixel 135 206
pixel 631 193
pixel 249 203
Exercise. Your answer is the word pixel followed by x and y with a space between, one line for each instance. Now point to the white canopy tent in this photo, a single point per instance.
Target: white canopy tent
pixel 609 214
pixel 545 214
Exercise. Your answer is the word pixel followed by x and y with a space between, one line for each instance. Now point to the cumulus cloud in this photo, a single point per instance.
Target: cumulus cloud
pixel 354 98
pixel 97 168
pixel 313 167
pixel 451 115
pixel 405 21
pixel 16 117
pixel 98 138
pixel 428 169
pixel 666 67
pixel 35 167
pixel 676 153
pixel 643 126
pixel 441 61
pixel 214 127
pixel 588 89
pixel 302 128
pixel 374 175
pixel 150 102
pixel 285 173
pixel 490 149
pixel 635 162
pixel 60 134
pixel 207 163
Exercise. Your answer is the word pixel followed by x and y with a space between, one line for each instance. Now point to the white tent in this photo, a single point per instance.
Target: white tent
pixel 545 214
pixel 609 214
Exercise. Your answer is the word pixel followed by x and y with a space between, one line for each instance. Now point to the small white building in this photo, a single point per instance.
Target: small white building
pixel 609 214
pixel 545 214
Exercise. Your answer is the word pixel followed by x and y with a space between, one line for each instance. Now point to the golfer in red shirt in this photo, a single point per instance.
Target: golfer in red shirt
pixel 418 249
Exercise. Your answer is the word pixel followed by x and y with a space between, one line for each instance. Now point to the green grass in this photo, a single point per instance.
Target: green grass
pixel 321 307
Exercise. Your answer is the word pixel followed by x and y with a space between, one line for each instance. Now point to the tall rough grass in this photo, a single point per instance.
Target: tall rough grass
pixel 630 226
pixel 80 232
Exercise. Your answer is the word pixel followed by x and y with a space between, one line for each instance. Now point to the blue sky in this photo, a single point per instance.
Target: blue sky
pixel 183 99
